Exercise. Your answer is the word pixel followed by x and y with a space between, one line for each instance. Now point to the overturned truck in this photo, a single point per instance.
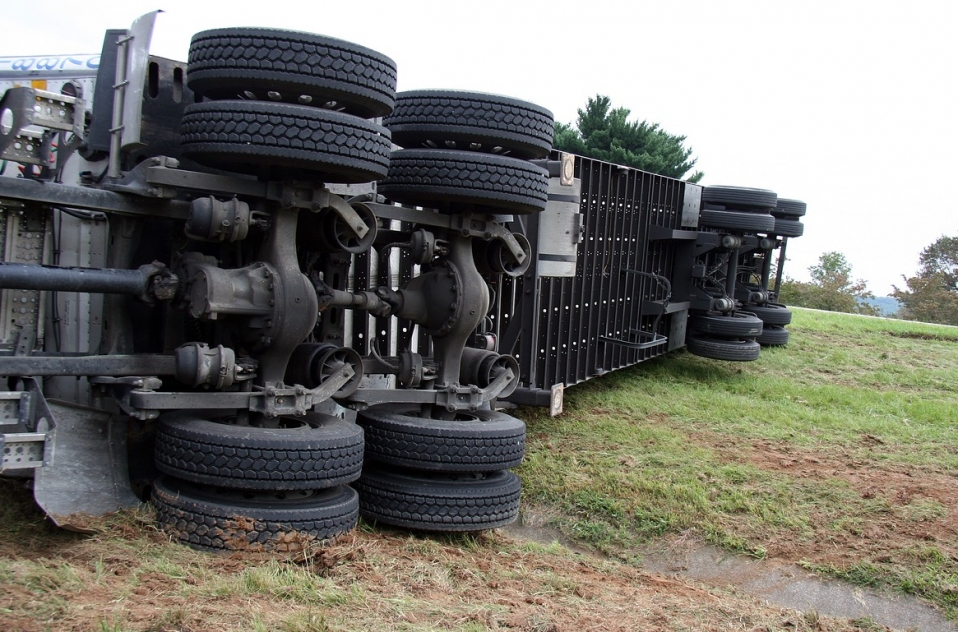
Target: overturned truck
pixel 266 293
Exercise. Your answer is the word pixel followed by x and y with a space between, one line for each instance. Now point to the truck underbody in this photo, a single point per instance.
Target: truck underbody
pixel 265 292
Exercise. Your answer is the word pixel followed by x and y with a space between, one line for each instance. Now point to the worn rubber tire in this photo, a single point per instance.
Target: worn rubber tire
pixel 722 349
pixel 473 121
pixel 790 209
pixel 459 180
pixel 324 452
pixel 771 313
pixel 439 502
pixel 773 336
pixel 733 220
pixel 207 518
pixel 735 325
pixel 788 228
pixel 257 136
pixel 291 67
pixel 482 441
pixel 740 198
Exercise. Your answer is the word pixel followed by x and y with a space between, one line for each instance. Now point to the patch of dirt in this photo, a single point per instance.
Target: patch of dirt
pixel 916 335
pixel 128 576
pixel 907 505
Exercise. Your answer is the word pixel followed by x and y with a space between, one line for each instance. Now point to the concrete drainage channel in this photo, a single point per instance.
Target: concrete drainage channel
pixel 791 586
pixel 779 584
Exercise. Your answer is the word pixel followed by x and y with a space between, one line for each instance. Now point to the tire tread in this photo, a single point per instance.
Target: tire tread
pixel 206 452
pixel 207 525
pixel 495 441
pixel 421 177
pixel 325 68
pixel 719 349
pixel 245 136
pixel 406 500
pixel 463 118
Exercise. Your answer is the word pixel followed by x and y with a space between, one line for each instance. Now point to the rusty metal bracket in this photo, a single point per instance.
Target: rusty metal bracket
pixel 160 176
pixel 298 400
pixel 123 386
pixel 347 214
pixel 451 397
pixel 271 401
pixel 477 226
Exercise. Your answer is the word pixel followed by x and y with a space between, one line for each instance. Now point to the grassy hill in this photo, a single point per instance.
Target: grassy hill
pixel 838 452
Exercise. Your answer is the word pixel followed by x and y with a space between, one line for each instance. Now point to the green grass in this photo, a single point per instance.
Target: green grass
pixel 661 448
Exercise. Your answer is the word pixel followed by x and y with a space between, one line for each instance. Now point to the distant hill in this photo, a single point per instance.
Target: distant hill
pixel 887 305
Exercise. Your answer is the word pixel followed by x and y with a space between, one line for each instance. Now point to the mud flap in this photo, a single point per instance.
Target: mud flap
pixel 85 469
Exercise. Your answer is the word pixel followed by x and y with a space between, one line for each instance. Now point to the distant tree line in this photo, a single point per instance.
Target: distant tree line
pixel 832 288
pixel 930 296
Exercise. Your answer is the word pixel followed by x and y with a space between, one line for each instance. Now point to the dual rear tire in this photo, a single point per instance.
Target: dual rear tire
pixel 468 152
pixel 719 336
pixel 441 475
pixel 282 103
pixel 278 105
pixel 232 487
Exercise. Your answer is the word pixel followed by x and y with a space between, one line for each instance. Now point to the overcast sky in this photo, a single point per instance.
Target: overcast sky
pixel 849 106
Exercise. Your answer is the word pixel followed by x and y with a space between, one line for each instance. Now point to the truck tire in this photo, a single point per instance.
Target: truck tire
pixel 773 336
pixel 735 325
pixel 722 349
pixel 291 67
pixel 789 209
pixel 479 441
pixel 439 502
pixel 447 119
pixel 319 451
pixel 789 228
pixel 734 220
pixel 257 136
pixel 740 198
pixel 459 180
pixel 230 520
pixel 771 313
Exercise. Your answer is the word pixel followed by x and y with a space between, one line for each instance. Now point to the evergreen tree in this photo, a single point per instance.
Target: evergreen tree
pixel 607 134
